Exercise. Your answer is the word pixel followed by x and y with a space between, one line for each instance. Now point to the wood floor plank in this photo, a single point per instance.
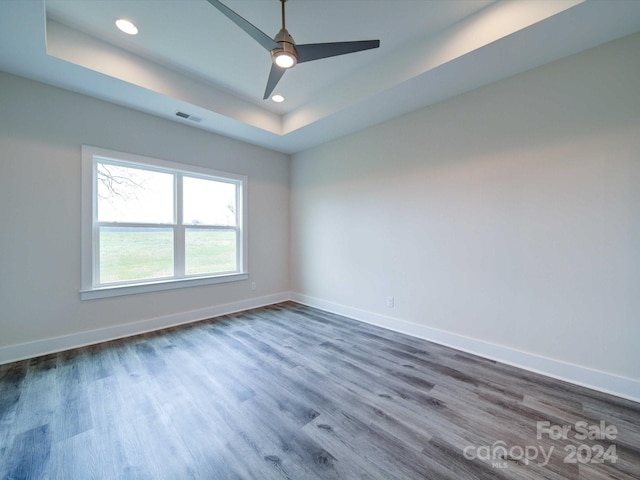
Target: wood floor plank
pixel 290 392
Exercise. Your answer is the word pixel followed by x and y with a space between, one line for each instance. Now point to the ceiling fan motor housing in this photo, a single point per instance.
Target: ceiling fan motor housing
pixel 288 47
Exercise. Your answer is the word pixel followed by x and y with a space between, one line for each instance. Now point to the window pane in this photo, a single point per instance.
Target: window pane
pixel 210 251
pixel 208 202
pixel 135 253
pixel 134 195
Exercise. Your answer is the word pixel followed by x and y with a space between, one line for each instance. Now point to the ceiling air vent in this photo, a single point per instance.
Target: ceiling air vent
pixel 188 116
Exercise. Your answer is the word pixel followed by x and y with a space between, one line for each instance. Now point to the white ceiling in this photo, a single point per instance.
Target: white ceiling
pixel 189 57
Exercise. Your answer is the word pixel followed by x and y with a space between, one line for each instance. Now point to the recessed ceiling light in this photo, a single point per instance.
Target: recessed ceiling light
pixel 126 26
pixel 277 98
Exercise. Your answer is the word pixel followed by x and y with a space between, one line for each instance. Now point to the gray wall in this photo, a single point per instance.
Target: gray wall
pixel 508 215
pixel 41 131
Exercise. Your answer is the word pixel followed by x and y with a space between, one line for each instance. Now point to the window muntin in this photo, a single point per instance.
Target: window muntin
pixel 156 222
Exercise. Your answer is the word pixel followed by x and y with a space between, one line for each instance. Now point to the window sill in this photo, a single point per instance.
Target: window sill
pixel 118 290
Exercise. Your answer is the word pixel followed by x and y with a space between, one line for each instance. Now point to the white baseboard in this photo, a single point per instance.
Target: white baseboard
pixel 604 382
pixel 22 351
pixel 586 377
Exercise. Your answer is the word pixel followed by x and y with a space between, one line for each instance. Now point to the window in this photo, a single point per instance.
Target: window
pixel 151 225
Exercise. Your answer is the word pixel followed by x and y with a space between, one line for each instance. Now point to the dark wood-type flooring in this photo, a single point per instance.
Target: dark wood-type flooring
pixel 289 392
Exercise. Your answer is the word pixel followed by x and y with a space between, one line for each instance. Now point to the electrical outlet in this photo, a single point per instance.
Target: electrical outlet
pixel 390 302
pixel 253 285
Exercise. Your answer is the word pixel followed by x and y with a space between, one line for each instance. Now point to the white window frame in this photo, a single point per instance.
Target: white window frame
pixel 90 286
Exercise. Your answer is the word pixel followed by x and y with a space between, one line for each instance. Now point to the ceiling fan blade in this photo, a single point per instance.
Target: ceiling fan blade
pixel 316 51
pixel 275 75
pixel 258 35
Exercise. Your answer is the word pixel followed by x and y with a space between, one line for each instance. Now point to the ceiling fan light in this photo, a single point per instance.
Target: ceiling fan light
pixel 277 98
pixel 284 59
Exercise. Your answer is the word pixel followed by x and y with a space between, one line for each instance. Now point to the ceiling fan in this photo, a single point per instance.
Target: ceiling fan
pixel 285 54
